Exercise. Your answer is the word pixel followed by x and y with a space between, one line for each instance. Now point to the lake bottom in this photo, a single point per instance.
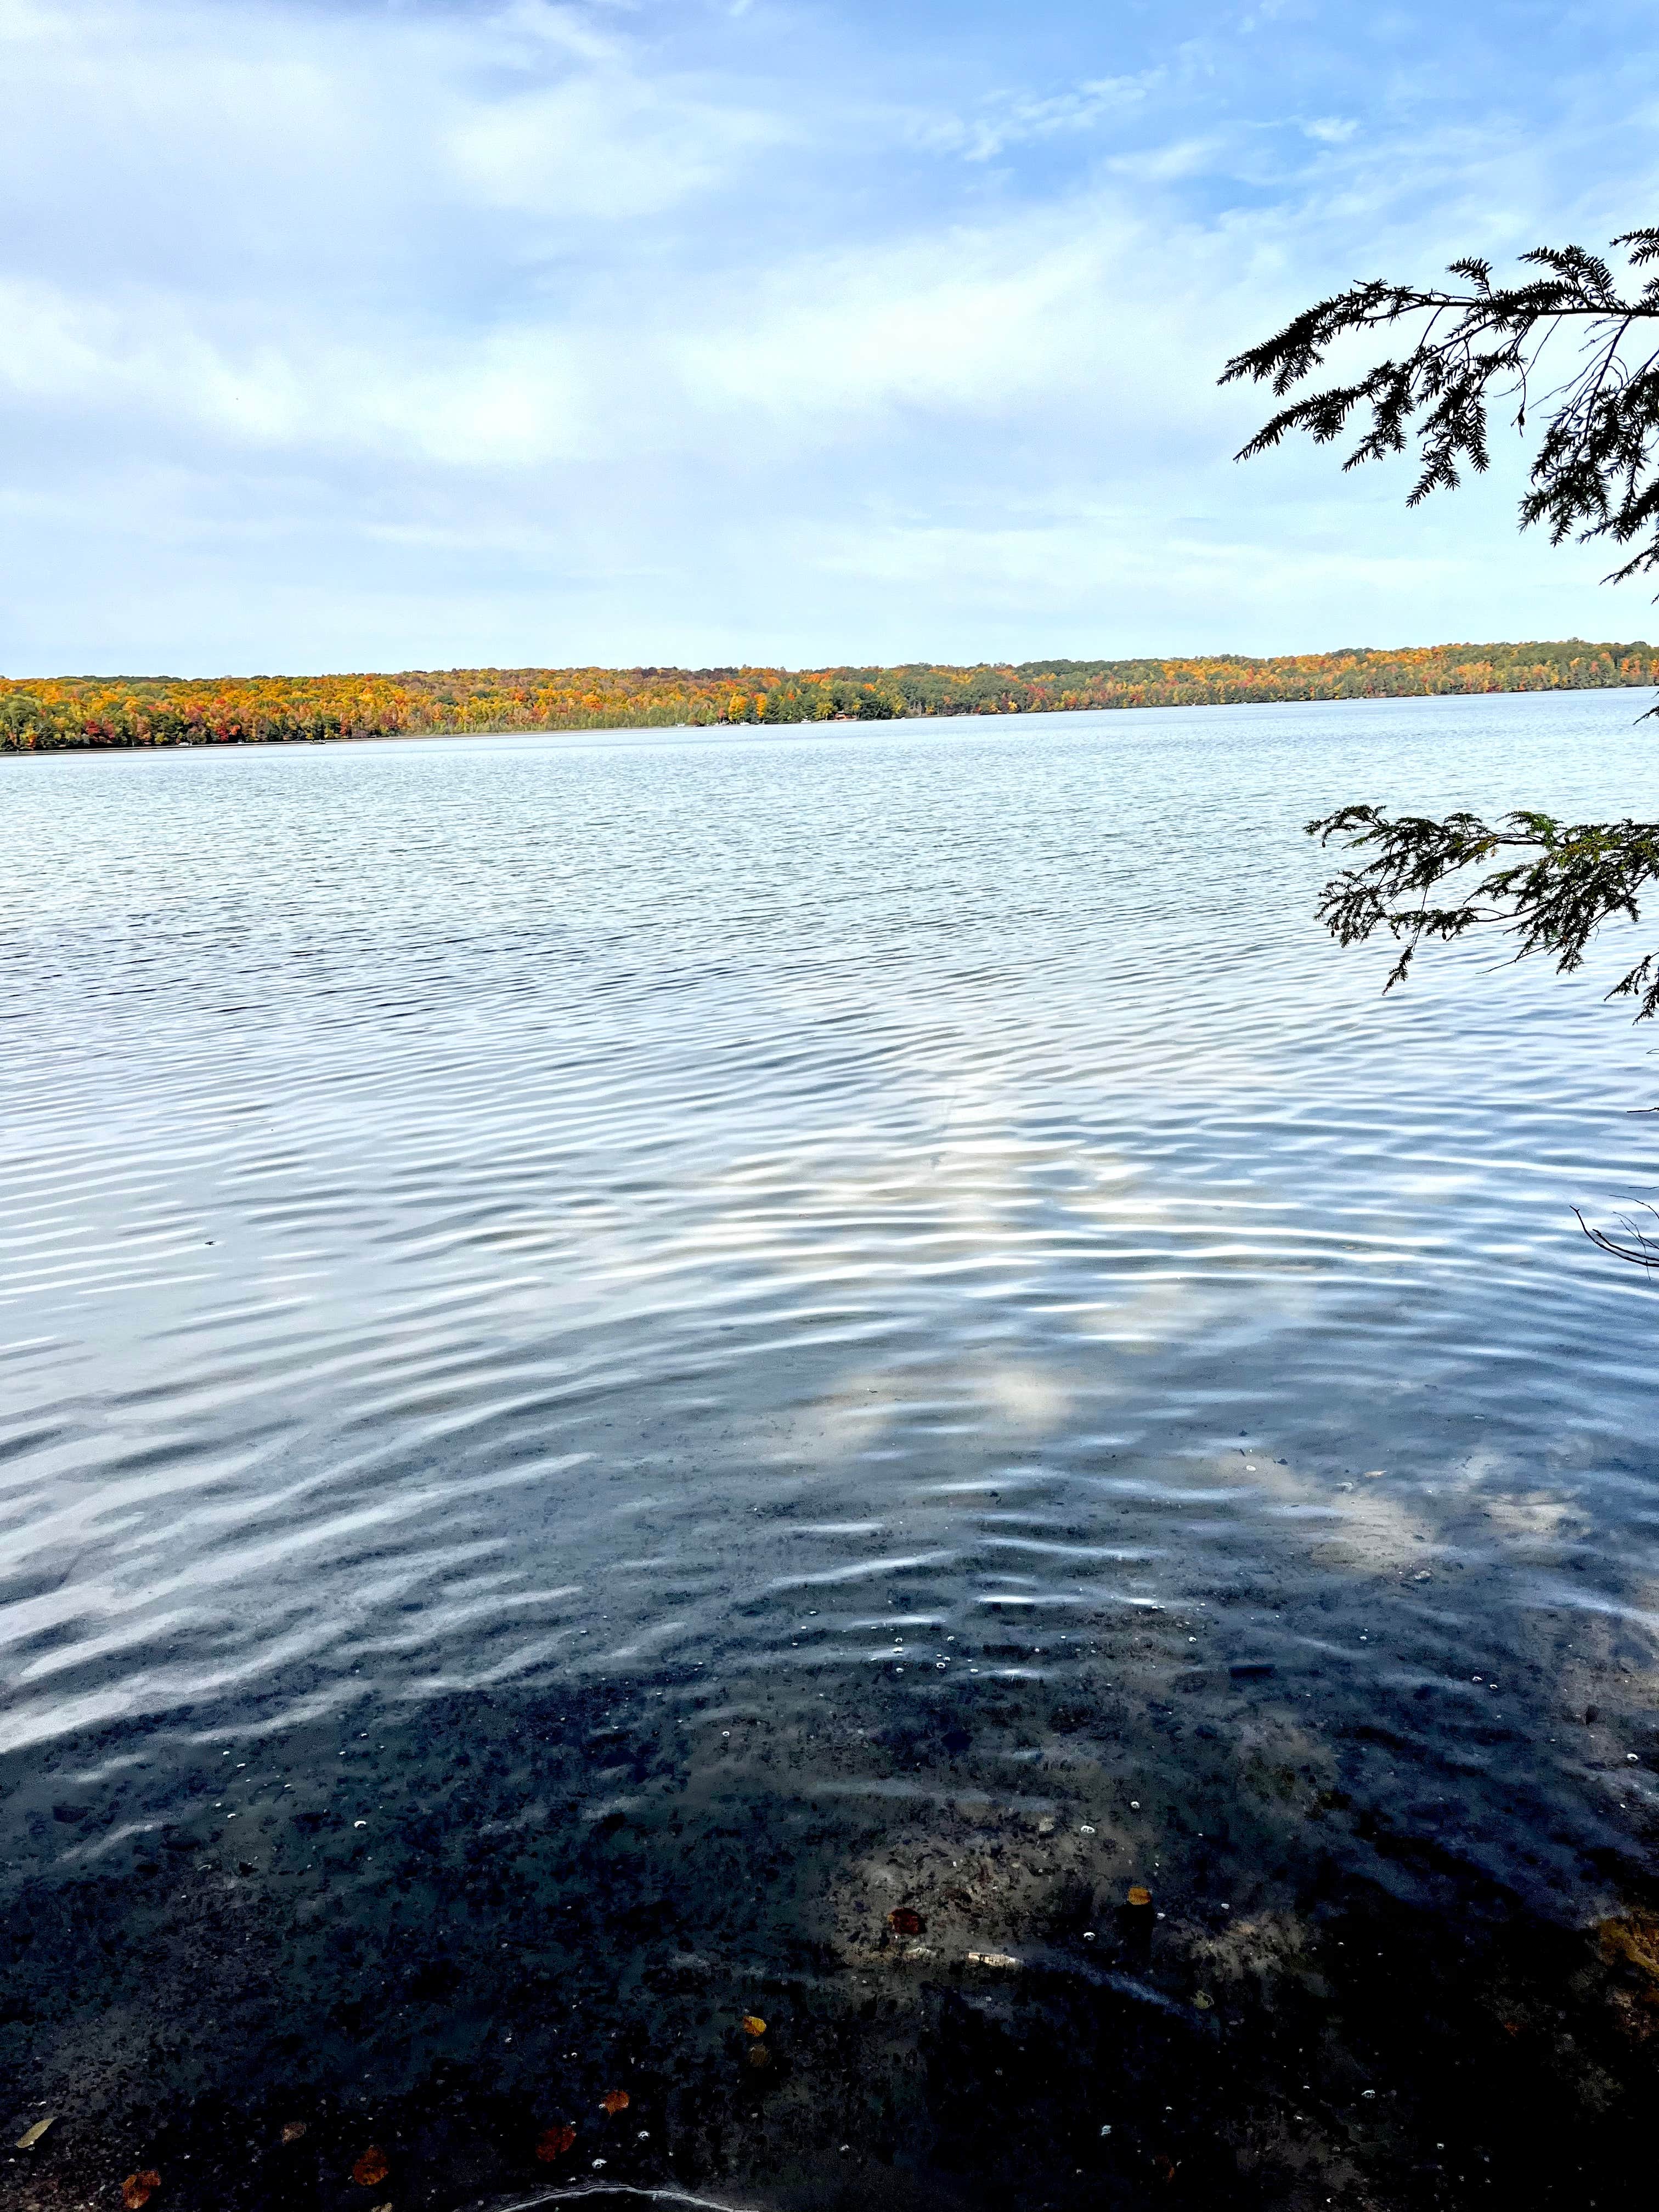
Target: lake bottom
pixel 446 1940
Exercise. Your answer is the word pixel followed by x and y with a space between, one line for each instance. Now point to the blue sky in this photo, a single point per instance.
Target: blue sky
pixel 411 334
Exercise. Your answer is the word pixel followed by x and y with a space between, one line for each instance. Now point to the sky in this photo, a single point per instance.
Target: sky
pixel 374 334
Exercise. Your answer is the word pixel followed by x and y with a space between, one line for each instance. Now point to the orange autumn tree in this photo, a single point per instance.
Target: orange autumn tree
pixel 44 714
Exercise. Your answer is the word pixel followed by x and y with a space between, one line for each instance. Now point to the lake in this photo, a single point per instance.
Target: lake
pixel 667 1380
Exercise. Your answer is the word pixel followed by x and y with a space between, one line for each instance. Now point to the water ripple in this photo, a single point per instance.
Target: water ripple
pixel 960 1260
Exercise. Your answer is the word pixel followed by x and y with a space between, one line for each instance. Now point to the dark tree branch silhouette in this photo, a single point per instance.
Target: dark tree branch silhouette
pixel 1552 899
pixel 1594 474
pixel 1638 1245
pixel 1567 353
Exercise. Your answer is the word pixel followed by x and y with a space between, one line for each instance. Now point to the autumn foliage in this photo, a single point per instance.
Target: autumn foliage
pixel 47 713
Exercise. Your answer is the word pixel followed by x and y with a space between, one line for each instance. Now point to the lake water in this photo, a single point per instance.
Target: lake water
pixel 652 1380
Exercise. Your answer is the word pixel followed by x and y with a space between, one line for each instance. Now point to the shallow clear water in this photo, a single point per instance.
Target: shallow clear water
pixel 712 1325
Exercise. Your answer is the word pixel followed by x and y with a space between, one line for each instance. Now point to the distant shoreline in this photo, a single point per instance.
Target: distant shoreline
pixel 137 713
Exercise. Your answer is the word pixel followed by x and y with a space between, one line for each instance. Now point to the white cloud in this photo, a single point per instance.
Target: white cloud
pixel 1008 118
pixel 605 147
pixel 567 331
pixel 510 397
pixel 976 322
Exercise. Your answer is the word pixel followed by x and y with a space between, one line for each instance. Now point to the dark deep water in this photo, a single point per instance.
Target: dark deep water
pixel 621 1359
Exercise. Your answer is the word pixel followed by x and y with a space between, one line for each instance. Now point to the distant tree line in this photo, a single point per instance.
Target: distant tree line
pixel 44 714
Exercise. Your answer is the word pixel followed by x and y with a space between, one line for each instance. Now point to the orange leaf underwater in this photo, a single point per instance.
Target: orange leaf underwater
pixel 1140 1895
pixel 615 2100
pixel 555 2143
pixel 373 2165
pixel 753 2024
pixel 904 1921
pixel 138 2188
